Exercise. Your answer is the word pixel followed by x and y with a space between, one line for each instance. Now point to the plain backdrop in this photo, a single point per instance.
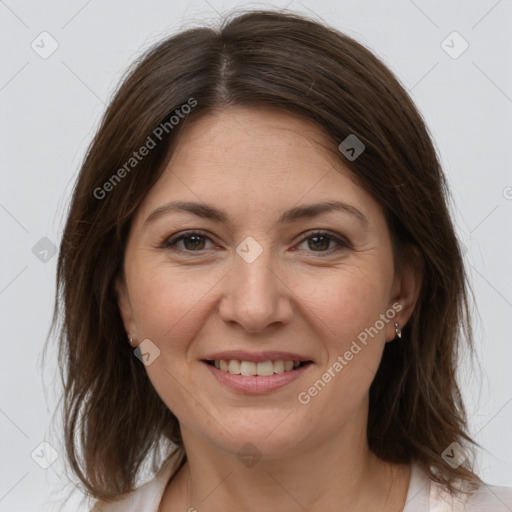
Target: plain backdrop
pixel 50 107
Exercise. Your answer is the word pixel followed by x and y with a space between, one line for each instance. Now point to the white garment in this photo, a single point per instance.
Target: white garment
pixel 423 495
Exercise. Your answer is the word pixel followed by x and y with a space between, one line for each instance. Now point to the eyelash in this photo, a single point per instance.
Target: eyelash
pixel 170 243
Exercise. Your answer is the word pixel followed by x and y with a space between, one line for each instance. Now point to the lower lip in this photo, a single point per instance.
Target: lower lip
pixel 256 385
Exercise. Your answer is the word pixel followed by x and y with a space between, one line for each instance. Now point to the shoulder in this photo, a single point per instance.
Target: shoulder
pixel 485 498
pixel 426 495
pixel 147 497
pixel 490 497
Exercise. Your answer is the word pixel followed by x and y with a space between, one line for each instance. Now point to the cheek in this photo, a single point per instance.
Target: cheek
pixel 362 327
pixel 345 303
pixel 168 301
pixel 348 306
pixel 170 307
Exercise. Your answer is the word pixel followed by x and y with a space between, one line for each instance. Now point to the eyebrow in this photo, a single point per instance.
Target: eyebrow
pixel 207 211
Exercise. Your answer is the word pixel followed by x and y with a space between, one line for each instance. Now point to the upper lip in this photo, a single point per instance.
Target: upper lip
pixel 257 357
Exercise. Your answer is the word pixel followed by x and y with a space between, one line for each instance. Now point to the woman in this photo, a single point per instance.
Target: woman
pixel 260 277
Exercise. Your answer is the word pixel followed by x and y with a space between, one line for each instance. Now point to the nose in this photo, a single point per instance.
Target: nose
pixel 255 296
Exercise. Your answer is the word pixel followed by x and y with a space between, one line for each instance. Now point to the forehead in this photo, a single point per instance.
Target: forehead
pixel 237 140
pixel 255 160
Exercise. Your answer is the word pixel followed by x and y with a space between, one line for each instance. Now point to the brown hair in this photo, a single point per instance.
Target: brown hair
pixel 113 416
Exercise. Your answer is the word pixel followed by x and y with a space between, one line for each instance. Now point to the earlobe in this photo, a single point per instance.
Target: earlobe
pixel 407 288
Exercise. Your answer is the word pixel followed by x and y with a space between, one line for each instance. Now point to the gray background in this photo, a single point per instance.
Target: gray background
pixel 50 108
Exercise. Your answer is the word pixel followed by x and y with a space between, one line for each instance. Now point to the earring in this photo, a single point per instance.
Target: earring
pixel 130 340
pixel 398 331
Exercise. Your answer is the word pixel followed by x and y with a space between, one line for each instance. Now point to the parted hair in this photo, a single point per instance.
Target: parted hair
pixel 113 417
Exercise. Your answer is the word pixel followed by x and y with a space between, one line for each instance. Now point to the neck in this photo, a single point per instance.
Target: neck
pixel 337 474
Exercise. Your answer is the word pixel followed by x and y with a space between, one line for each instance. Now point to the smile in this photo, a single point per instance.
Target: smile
pixel 255 378
pixel 251 368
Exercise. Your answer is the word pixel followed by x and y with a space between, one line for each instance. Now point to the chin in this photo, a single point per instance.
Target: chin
pixel 271 436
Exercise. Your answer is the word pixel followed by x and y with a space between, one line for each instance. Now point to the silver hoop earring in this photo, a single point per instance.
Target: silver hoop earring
pixel 398 331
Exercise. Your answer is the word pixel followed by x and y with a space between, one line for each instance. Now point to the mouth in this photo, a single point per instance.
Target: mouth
pixel 255 377
pixel 252 368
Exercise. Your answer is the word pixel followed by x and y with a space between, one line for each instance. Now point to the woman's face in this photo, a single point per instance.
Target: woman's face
pixel 256 283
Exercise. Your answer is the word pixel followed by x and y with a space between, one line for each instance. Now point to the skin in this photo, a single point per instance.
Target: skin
pixel 296 296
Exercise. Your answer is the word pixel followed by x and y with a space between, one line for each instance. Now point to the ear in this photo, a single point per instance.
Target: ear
pixel 406 289
pixel 125 307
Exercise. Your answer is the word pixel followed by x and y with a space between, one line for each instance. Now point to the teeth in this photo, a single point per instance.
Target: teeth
pixel 250 368
pixel 234 367
pixel 247 368
pixel 278 366
pixel 265 369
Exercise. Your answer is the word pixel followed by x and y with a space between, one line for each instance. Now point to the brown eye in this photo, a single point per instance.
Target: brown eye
pixel 192 242
pixel 322 241
pixel 319 242
pixel 195 242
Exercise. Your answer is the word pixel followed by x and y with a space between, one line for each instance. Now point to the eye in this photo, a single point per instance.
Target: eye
pixel 194 241
pixel 319 241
